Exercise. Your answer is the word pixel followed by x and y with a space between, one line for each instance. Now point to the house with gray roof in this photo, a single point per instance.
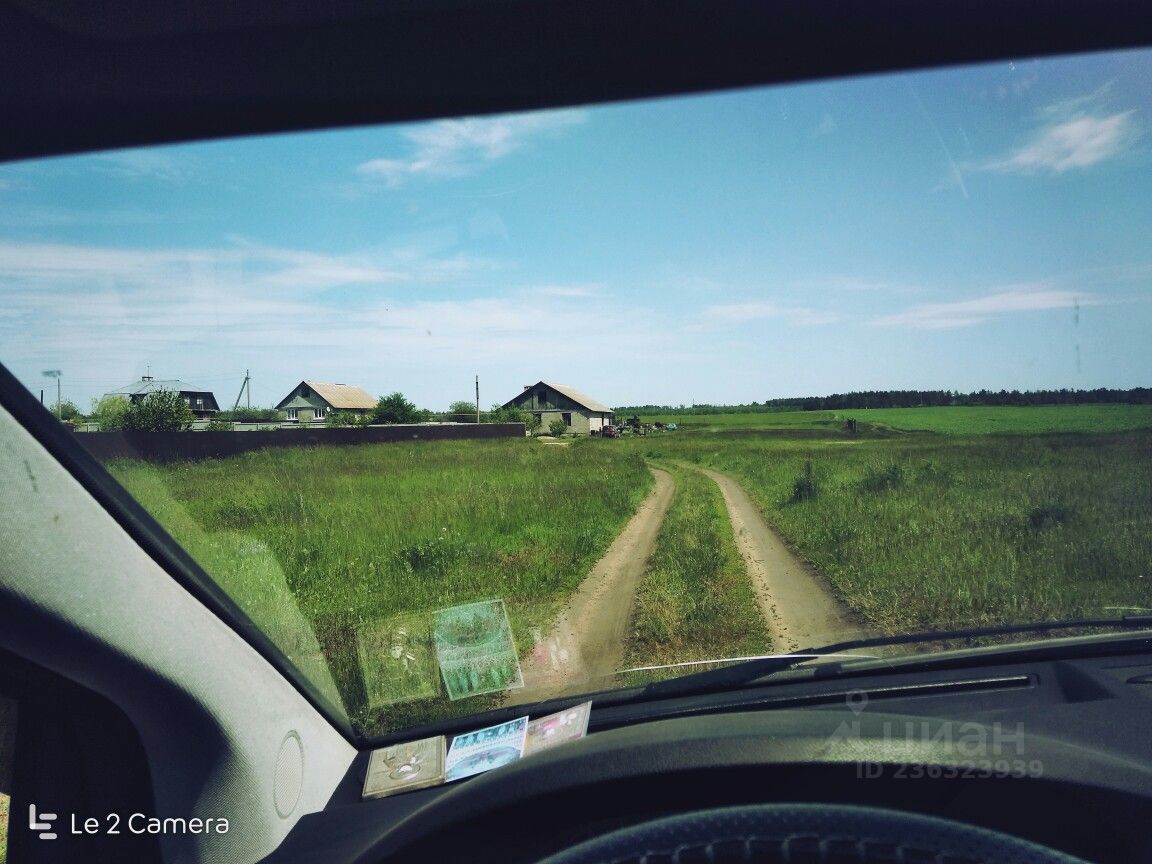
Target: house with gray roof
pixel 547 402
pixel 201 401
pixel 313 400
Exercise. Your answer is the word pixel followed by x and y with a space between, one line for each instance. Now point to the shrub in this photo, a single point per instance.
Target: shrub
pixel 218 425
pixel 804 487
pixel 396 409
pixel 557 427
pixel 108 413
pixel 251 415
pixel 462 411
pixel 341 418
pixel 883 478
pixel 68 412
pixel 159 411
pixel 1048 515
pixel 932 472
pixel 499 414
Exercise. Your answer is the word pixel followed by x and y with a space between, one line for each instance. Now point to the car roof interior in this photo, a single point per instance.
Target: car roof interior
pixel 76 76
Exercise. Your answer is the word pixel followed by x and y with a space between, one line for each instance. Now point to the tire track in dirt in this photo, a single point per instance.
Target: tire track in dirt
pixel 586 642
pixel 799 607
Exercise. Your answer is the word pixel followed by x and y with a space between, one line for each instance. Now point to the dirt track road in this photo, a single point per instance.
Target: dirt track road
pixel 586 642
pixel 798 606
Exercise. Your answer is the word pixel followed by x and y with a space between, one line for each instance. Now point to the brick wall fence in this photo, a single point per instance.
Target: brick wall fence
pixel 175 446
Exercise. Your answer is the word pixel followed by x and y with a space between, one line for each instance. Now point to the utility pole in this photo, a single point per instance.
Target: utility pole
pixel 55 373
pixel 477 399
pixel 243 387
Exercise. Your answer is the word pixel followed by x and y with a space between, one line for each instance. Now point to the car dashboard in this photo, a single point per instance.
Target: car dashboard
pixel 1053 751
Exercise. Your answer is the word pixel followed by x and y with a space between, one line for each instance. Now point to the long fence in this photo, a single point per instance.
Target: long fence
pixel 177 446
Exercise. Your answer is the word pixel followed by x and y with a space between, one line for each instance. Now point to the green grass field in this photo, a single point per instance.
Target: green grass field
pixel 785 420
pixel 959 420
pixel 695 601
pixel 930 532
pixel 348 541
pixel 1040 419
pixel 342 554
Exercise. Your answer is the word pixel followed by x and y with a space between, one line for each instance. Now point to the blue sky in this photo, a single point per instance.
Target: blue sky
pixel 958 229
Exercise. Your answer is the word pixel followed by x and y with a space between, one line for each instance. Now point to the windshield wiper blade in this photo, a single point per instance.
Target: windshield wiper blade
pixel 716 661
pixel 752 669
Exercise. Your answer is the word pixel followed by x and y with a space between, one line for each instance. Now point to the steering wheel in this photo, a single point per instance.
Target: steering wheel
pixel 807 833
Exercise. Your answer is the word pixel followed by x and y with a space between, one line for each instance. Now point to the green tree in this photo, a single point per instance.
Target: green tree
pixel 396 409
pixel 159 411
pixel 340 418
pixel 251 415
pixel 462 411
pixel 108 413
pixel 500 414
pixel 557 427
pixel 68 412
pixel 347 418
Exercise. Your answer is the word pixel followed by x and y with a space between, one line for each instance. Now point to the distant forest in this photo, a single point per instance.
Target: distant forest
pixel 909 399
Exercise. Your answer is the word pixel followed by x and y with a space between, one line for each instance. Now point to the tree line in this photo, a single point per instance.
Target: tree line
pixel 911 399
pixel 166 411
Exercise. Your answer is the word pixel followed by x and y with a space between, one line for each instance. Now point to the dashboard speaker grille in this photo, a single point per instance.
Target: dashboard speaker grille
pixel 289 779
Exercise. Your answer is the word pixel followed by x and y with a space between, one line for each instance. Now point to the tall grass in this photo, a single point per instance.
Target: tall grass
pixel 695 601
pixel 948 420
pixel 931 532
pixel 351 538
pixel 1010 419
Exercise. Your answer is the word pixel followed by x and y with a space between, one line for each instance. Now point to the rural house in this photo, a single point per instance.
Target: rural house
pixel 201 401
pixel 548 402
pixel 312 400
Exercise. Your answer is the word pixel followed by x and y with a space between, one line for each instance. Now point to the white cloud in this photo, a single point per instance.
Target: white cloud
pixel 760 310
pixel 1067 144
pixel 57 217
pixel 64 262
pixel 145 163
pixel 966 313
pixel 856 285
pixel 1072 106
pixel 104 313
pixel 297 269
pixel 566 291
pixel 744 311
pixel 242 266
pixel 826 126
pixel 453 148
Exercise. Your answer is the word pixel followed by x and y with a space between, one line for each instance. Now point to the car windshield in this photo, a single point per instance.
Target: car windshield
pixel 477 412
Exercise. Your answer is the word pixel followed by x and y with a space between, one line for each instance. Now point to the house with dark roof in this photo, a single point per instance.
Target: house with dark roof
pixel 201 401
pixel 547 402
pixel 313 400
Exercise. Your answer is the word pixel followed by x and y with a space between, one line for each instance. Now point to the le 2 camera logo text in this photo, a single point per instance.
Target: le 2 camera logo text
pixel 113 824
